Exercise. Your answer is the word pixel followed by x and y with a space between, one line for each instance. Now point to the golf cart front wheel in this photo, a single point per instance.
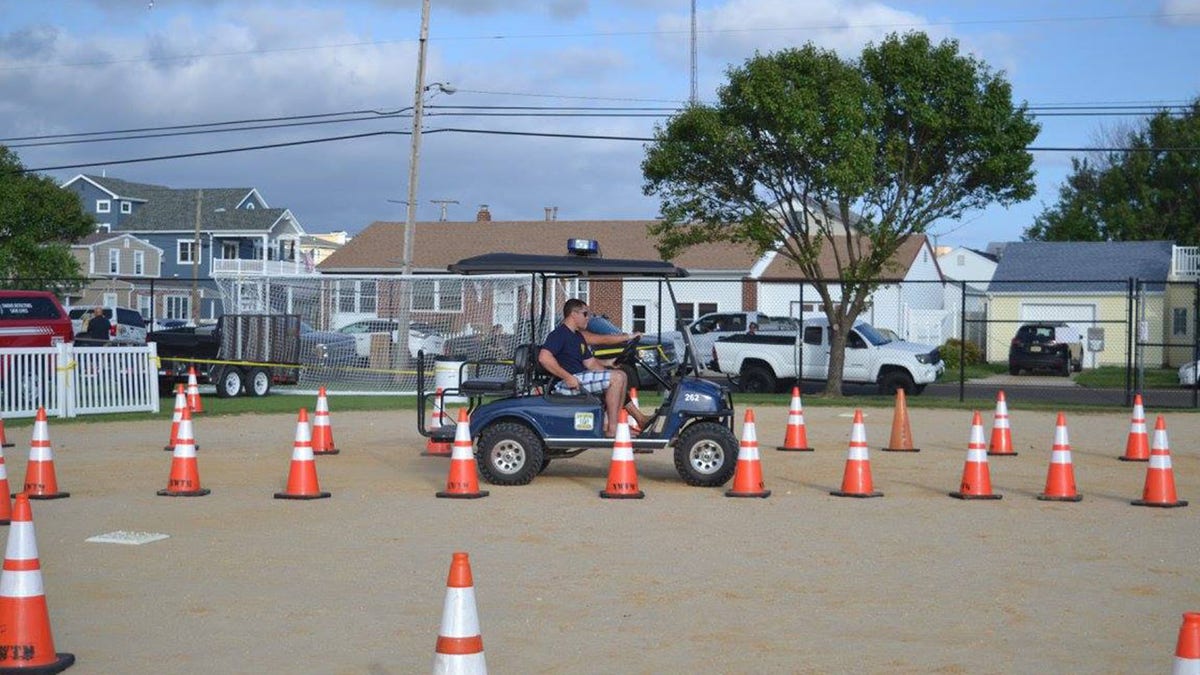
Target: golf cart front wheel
pixel 706 454
pixel 509 454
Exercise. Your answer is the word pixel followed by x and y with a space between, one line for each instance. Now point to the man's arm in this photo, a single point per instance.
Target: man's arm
pixel 606 339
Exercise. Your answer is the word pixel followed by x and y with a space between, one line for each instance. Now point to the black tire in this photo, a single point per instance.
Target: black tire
pixel 894 380
pixel 258 382
pixel 230 382
pixel 756 379
pixel 1065 369
pixel 917 389
pixel 509 453
pixel 545 463
pixel 706 454
pixel 1014 370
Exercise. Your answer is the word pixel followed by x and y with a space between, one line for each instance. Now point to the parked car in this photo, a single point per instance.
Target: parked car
pixel 326 348
pixel 421 336
pixel 129 328
pixel 1046 345
pixel 33 319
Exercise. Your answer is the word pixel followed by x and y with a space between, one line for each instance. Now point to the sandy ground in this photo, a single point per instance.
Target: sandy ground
pixel 683 581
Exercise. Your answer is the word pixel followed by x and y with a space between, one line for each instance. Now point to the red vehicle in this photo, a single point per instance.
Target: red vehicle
pixel 33 319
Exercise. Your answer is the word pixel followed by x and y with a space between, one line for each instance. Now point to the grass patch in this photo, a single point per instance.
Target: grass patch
pixel 976 371
pixel 1114 377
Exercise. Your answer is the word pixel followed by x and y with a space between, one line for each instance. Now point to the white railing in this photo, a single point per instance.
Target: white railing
pixel 240 266
pixel 1185 261
pixel 69 380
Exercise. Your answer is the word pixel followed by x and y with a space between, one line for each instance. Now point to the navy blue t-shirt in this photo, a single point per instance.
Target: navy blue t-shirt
pixel 569 348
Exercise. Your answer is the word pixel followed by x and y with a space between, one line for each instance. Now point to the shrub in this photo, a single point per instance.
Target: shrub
pixel 953 347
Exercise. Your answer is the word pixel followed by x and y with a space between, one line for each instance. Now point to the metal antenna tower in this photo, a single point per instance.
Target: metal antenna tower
pixel 442 203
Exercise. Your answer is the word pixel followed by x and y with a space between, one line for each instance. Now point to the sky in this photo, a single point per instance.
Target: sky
pixel 71 69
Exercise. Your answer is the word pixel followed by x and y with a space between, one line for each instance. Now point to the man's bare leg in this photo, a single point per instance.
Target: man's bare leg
pixel 613 396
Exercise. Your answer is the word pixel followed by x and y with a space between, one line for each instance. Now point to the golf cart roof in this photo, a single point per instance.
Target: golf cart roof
pixel 571 265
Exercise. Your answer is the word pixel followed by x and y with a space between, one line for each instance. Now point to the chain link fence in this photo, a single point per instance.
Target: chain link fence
pixel 1123 337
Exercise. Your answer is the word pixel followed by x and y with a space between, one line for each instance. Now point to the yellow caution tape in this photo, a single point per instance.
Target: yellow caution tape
pixel 70 365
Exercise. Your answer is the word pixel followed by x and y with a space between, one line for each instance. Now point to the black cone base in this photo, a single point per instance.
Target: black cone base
pixel 55 495
pixel 63 662
pixel 622 495
pixel 1058 498
pixel 461 495
pixel 963 495
pixel 1161 505
pixel 1002 454
pixel 188 493
pixel 318 495
pixel 860 495
pixel 335 451
pixel 900 449
pixel 784 448
pixel 762 494
pixel 1134 459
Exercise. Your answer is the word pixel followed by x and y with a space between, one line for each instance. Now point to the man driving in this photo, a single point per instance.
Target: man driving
pixel 566 355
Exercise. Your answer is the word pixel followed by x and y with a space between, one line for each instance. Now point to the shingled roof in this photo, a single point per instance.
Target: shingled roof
pixel 781 268
pixel 170 209
pixel 380 247
pixel 1080 266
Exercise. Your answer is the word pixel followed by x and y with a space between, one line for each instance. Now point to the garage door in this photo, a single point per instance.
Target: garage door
pixel 1079 316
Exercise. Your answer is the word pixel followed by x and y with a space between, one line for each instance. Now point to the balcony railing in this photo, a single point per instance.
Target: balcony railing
pixel 250 267
pixel 1185 262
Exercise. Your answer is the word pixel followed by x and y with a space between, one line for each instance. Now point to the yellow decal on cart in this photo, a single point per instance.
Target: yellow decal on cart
pixel 585 421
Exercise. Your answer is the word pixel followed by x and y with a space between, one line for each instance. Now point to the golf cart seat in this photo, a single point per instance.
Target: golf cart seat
pixel 499 377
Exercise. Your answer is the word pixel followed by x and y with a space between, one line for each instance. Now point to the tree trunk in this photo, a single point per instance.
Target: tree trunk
pixel 837 357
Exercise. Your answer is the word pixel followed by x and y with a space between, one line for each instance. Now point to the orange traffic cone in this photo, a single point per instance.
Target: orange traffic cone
pixel 440 419
pixel 322 430
pixel 302 477
pixel 462 483
pixel 634 427
pixel 1159 489
pixel 459 647
pixel 1187 649
pixel 5 500
pixel 1137 445
pixel 1060 480
pixel 41 482
pixel 747 475
pixel 193 392
pixel 795 439
pixel 176 416
pixel 24 617
pixel 184 480
pixel 902 438
pixel 856 479
pixel 3 438
pixel 1001 429
pixel 622 472
pixel 976 479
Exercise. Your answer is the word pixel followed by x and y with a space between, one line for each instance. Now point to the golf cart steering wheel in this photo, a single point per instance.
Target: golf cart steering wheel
pixel 629 353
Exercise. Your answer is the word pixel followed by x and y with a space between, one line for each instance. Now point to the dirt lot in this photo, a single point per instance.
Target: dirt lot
pixel 685 580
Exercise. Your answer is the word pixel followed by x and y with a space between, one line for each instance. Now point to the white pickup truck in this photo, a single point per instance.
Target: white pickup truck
pixel 768 363
pixel 717 325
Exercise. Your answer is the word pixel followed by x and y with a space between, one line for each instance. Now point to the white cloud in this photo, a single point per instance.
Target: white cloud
pixel 1180 12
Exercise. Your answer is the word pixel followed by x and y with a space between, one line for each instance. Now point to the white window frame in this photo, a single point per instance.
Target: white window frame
pixel 175 302
pixel 228 247
pixel 434 287
pixel 114 261
pixel 144 305
pixel 180 245
pixel 139 263
pixel 103 206
pixel 110 300
pixel 1179 321
pixel 104 227
pixel 126 207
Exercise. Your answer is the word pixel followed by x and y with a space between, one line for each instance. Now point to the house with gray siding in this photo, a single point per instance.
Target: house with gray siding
pixel 200 234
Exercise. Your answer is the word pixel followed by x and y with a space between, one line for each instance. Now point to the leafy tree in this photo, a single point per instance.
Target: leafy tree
pixel 805 152
pixel 38 223
pixel 1152 191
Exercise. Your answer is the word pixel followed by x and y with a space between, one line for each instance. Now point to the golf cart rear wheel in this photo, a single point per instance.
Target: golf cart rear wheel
pixel 706 454
pixel 509 454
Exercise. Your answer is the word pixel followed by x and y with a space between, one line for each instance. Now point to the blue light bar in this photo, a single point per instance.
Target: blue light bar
pixel 583 247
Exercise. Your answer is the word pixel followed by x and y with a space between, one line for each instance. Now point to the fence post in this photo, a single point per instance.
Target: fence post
pixel 1130 332
pixel 64 367
pixel 1196 341
pixel 152 374
pixel 962 342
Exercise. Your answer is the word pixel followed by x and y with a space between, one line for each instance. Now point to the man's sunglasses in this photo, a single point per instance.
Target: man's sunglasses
pixel 583 312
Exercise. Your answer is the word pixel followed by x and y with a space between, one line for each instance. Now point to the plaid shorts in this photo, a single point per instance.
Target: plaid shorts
pixel 591 381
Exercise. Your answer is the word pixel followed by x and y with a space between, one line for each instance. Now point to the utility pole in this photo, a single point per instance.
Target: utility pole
pixel 442 203
pixel 196 262
pixel 695 96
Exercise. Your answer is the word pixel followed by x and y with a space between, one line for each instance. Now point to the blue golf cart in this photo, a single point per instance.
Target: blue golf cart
pixel 519 425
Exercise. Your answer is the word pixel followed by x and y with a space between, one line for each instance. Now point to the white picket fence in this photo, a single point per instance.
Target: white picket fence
pixel 69 380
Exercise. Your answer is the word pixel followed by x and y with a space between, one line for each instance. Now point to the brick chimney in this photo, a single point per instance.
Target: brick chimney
pixel 483 216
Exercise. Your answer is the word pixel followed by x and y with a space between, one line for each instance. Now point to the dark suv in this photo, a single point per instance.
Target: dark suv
pixel 1046 346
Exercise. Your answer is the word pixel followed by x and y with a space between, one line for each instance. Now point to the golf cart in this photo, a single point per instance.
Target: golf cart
pixel 519 424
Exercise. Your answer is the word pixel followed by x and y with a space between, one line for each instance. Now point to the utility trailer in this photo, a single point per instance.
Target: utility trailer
pixel 240 354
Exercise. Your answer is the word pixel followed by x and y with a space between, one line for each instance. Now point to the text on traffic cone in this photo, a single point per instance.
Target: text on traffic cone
pixel 184 480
